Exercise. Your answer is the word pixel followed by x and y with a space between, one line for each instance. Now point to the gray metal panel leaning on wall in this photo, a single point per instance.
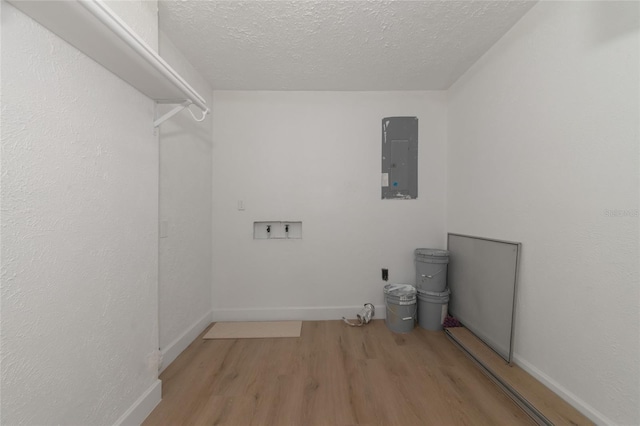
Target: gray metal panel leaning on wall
pixel 483 277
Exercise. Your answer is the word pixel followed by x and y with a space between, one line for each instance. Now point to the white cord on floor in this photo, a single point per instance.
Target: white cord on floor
pixel 353 324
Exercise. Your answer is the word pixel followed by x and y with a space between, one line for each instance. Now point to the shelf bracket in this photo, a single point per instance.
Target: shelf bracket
pixel 171 113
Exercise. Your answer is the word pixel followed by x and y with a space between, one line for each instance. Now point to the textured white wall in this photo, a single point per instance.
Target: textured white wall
pixel 79 233
pixel 185 204
pixel 543 145
pixel 315 157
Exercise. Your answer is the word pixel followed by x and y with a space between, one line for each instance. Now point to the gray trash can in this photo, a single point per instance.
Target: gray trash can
pixel 431 269
pixel 432 308
pixel 400 300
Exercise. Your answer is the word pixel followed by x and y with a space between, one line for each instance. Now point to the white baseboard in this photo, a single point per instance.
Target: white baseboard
pixel 590 412
pixel 302 313
pixel 175 348
pixel 143 406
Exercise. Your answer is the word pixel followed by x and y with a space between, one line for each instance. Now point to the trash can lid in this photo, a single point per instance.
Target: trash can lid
pixel 446 292
pixel 400 290
pixel 431 252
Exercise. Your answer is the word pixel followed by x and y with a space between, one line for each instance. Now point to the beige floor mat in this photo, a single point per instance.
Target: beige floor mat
pixel 254 330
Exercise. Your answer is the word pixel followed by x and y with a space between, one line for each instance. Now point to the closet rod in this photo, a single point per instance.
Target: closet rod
pixel 122 30
pixel 94 29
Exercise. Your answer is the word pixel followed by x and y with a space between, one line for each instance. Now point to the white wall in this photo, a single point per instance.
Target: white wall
pixel 315 157
pixel 79 234
pixel 185 206
pixel 543 144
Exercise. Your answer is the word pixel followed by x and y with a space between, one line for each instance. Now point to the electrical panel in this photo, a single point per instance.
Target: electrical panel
pixel 400 158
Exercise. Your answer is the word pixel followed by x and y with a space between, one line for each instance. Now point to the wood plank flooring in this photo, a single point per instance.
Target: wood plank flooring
pixel 332 375
pixel 542 398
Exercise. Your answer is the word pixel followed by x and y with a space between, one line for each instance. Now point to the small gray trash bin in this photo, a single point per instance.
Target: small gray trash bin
pixel 431 269
pixel 400 300
pixel 432 308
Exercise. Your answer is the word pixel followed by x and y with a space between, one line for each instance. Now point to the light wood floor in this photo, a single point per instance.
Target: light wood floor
pixel 542 398
pixel 332 375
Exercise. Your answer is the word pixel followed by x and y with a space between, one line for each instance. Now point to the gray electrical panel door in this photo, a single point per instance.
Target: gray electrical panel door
pixel 400 158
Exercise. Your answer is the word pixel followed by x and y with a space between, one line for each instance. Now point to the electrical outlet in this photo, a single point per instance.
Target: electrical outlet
pixel 385 274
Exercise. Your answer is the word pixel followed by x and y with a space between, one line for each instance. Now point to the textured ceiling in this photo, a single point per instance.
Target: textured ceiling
pixel 336 45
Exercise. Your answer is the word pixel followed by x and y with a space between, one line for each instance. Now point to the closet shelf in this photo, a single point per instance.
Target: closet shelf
pixel 94 29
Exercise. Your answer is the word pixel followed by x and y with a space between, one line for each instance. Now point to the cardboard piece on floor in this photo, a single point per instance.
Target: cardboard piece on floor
pixel 254 330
